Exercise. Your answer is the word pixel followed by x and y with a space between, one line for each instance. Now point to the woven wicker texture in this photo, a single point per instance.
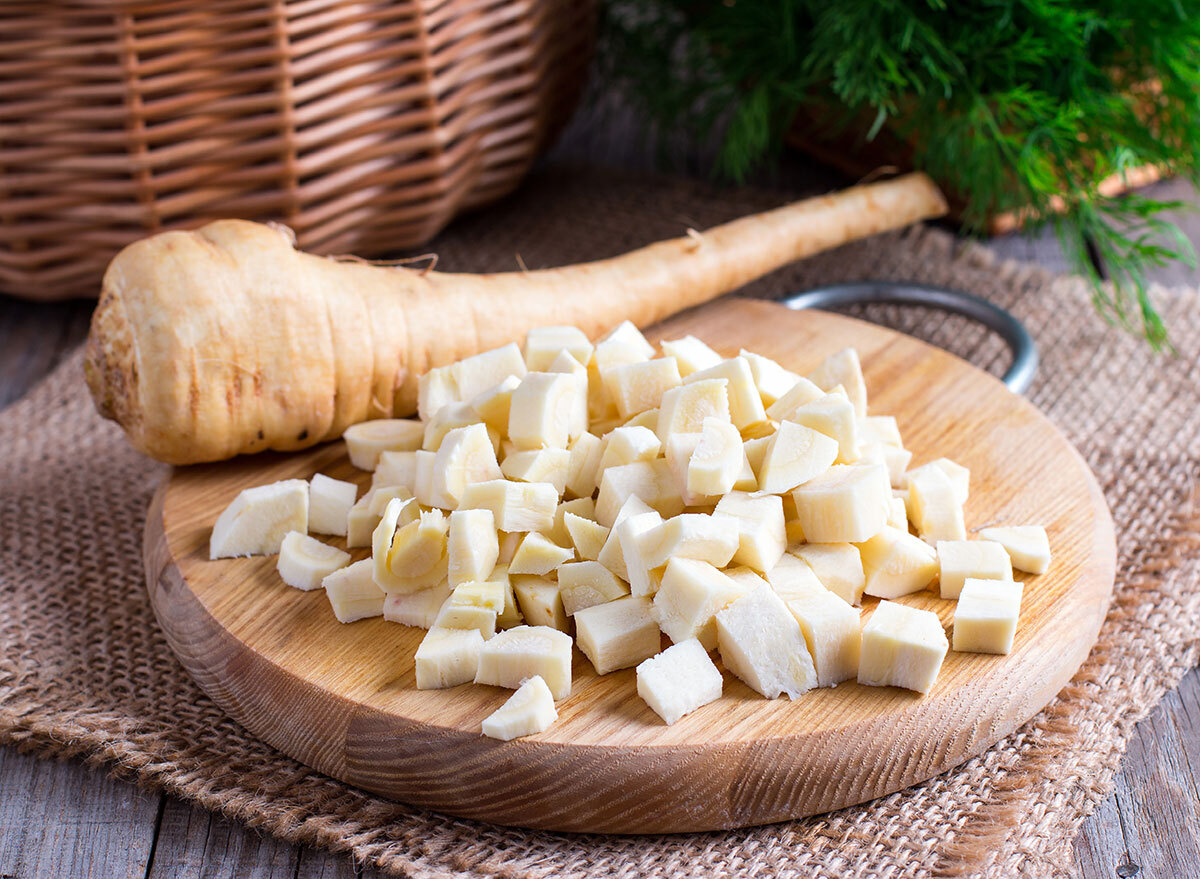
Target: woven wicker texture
pixel 85 672
pixel 365 125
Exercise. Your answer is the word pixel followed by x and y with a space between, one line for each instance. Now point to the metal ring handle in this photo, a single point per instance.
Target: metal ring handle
pixel 1024 352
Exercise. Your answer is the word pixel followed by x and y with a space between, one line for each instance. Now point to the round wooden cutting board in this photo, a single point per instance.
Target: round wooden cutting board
pixel 342 698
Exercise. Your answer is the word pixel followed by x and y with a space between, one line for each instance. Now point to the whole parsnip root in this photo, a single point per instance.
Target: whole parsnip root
pixel 228 340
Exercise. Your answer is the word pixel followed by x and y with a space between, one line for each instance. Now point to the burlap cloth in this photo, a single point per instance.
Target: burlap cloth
pixel 86 674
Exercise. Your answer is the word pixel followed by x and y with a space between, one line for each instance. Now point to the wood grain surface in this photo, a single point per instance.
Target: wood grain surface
pixel 342 698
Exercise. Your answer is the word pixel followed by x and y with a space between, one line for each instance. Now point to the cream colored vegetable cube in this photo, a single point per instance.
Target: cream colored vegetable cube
pixel 679 449
pixel 691 594
pixel 691 354
pixel 475 605
pixel 446 419
pixel 626 527
pixel 832 631
pixel 257 520
pixel 960 559
pixel 538 555
pixel 413 557
pixel 582 506
pixel 465 456
pixel 643 580
pixel 511 615
pixel 747 579
pixel 800 394
pixel 542 411
pixel 934 506
pixel 543 345
pixel 843 368
pixel 305 561
pixel 364 516
pixel 794 455
pixel 761 530
pixel 791 522
pixel 472 546
pixel 587 537
pixel 353 593
pixel 838 566
pixel 652 481
pixel 528 711
pixel 583 467
pixel 985 618
pixel 509 542
pixel 488 594
pixel 717 461
pixel 492 405
pixel 745 403
pixel 848 503
pixel 517 506
pixel 898 514
pixel 771 379
pixel 636 387
pixel 792 576
pixel 683 409
pixel 516 655
pixel 367 439
pixel 395 469
pixel 902 647
pixel 679 680
pixel 419 609
pixel 565 363
pixel 435 389
pixel 897 563
pixel 585 584
pixel 617 634
pixel 447 658
pixel 540 601
pixel 647 419
pixel 881 429
pixel 539 465
pixel 761 642
pixel 1027 545
pixel 712 539
pixel 624 344
pixel 832 415
pixel 329 503
pixel 423 477
pixel 959 476
pixel 474 375
pixel 756 451
pixel 627 445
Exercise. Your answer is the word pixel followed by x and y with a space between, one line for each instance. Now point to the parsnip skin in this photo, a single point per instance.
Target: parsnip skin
pixel 227 340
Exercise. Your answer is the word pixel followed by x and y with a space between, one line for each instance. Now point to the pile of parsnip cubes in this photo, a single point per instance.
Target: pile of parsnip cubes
pixel 603 491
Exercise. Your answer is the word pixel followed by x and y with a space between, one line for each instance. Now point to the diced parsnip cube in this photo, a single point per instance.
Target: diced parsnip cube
pixel 627 445
pixel 445 420
pixel 623 344
pixel 617 634
pixel 897 563
pixel 761 642
pixel 717 461
pixel 691 594
pixel 543 344
pixel 539 465
pixel 880 429
pixel 1027 545
pixel 679 449
pixel 838 566
pixel 585 584
pixel 416 556
pixel 516 655
pixel 794 455
pixel 517 506
pixel 691 354
pixel 582 506
pixel 511 615
pixel 745 403
pixel 760 528
pixel 643 579
pixel 647 419
pixel 832 631
pixel 475 605
pixel 587 537
pixel 898 514
pixel 540 601
pixel 528 711
pixel 542 411
pixel 583 467
pixel 329 504
pixel 364 516
pixel 679 680
pixel 985 619
pixel 423 477
pixel 636 387
pixel 465 456
pixel 832 415
pixel 771 379
pixel 435 389
pixel 934 506
pixel 567 364
pixel 365 440
pixel 683 409
pixel 257 520
pixel 756 451
pixel 960 477
pixel 538 555
pixel 305 561
pixel 353 593
pixel 474 375
pixel 902 647
pixel 612 554
pixel 960 559
pixel 800 394
pixel 843 368
pixel 793 531
pixel 792 576
pixel 712 539
pixel 447 658
pixel 492 406
pixel 848 503
pixel 894 458
pixel 651 481
pixel 395 468
pixel 419 609
pixel 747 579
pixel 472 546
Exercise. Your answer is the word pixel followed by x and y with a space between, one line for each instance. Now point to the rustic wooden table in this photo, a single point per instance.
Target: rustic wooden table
pixel 65 820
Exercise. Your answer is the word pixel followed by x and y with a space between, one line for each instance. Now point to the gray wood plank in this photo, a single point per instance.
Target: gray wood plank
pixel 195 843
pixel 64 820
pixel 34 337
pixel 317 864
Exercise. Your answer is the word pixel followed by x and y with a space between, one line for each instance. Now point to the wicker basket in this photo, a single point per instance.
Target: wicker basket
pixel 365 125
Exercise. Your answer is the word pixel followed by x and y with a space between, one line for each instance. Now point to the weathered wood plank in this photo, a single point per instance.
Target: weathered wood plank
pixel 316 864
pixel 192 842
pixel 34 337
pixel 64 820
